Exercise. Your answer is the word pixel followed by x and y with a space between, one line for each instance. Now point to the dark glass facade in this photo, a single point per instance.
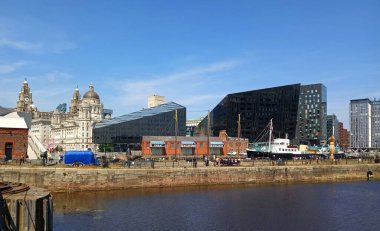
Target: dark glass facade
pixel 312 115
pixel 258 107
pixel 155 121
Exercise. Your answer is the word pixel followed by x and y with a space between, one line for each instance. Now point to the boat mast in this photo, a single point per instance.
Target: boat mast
pixel 239 131
pixel 176 134
pixel 270 134
pixel 208 133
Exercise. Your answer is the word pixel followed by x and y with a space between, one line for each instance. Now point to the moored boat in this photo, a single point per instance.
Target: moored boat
pixel 275 149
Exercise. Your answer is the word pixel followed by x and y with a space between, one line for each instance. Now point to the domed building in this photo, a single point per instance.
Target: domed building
pixel 70 130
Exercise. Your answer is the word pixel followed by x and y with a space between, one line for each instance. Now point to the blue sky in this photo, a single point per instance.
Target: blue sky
pixel 191 52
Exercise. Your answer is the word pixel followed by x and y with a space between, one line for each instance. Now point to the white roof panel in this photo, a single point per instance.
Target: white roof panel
pixel 12 123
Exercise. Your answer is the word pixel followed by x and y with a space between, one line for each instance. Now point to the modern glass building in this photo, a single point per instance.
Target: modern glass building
pixel 298 113
pixel 154 121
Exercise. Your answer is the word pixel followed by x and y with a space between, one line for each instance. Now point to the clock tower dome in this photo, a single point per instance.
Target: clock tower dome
pixel 24 98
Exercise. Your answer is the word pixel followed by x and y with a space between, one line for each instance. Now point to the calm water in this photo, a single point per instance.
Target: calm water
pixel 330 206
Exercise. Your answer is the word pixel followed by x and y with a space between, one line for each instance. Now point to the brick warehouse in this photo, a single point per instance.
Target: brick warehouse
pixel 193 146
pixel 13 138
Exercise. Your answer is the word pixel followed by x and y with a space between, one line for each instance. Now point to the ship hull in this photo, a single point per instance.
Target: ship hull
pixel 253 154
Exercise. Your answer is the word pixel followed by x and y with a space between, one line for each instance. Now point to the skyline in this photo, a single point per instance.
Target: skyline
pixel 193 54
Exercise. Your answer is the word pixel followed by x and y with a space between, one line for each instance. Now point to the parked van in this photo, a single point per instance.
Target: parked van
pixel 80 158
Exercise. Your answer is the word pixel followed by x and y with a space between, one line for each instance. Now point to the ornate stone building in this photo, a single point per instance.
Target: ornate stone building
pixel 71 130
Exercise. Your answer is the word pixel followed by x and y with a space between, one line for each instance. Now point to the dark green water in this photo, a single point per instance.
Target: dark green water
pixel 327 206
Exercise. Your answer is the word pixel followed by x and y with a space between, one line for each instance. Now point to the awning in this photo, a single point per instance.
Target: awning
pixel 216 144
pixel 188 144
pixel 157 144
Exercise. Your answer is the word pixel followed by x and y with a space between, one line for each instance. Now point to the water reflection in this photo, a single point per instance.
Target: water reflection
pixel 339 206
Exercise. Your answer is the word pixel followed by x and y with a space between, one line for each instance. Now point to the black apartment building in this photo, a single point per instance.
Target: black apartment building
pixel 298 112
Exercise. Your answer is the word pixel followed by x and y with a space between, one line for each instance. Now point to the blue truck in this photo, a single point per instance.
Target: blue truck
pixel 80 158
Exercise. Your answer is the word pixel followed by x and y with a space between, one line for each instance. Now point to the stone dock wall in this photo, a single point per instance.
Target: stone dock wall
pixel 81 179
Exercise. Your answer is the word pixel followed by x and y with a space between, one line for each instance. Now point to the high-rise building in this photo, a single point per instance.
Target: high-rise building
pixel 312 115
pixel 298 113
pixel 361 123
pixel 155 100
pixel 376 124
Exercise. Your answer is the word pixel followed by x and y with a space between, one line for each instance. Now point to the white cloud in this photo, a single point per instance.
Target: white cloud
pixel 183 87
pixel 8 68
pixel 20 45
pixel 55 76
pixel 44 45
pixel 176 82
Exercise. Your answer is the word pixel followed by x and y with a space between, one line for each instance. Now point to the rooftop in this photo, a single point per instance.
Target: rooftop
pixel 9 122
pixel 166 107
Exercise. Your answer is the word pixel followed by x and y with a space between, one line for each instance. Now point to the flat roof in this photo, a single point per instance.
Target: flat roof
pixel 358 100
pixel 181 138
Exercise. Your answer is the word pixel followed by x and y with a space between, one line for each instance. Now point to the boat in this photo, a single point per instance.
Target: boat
pixel 275 149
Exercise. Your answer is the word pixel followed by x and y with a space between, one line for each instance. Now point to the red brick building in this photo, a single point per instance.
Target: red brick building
pixel 234 145
pixel 13 138
pixel 188 146
pixel 344 136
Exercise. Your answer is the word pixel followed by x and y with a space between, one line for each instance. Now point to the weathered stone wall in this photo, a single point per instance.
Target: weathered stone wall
pixel 78 179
